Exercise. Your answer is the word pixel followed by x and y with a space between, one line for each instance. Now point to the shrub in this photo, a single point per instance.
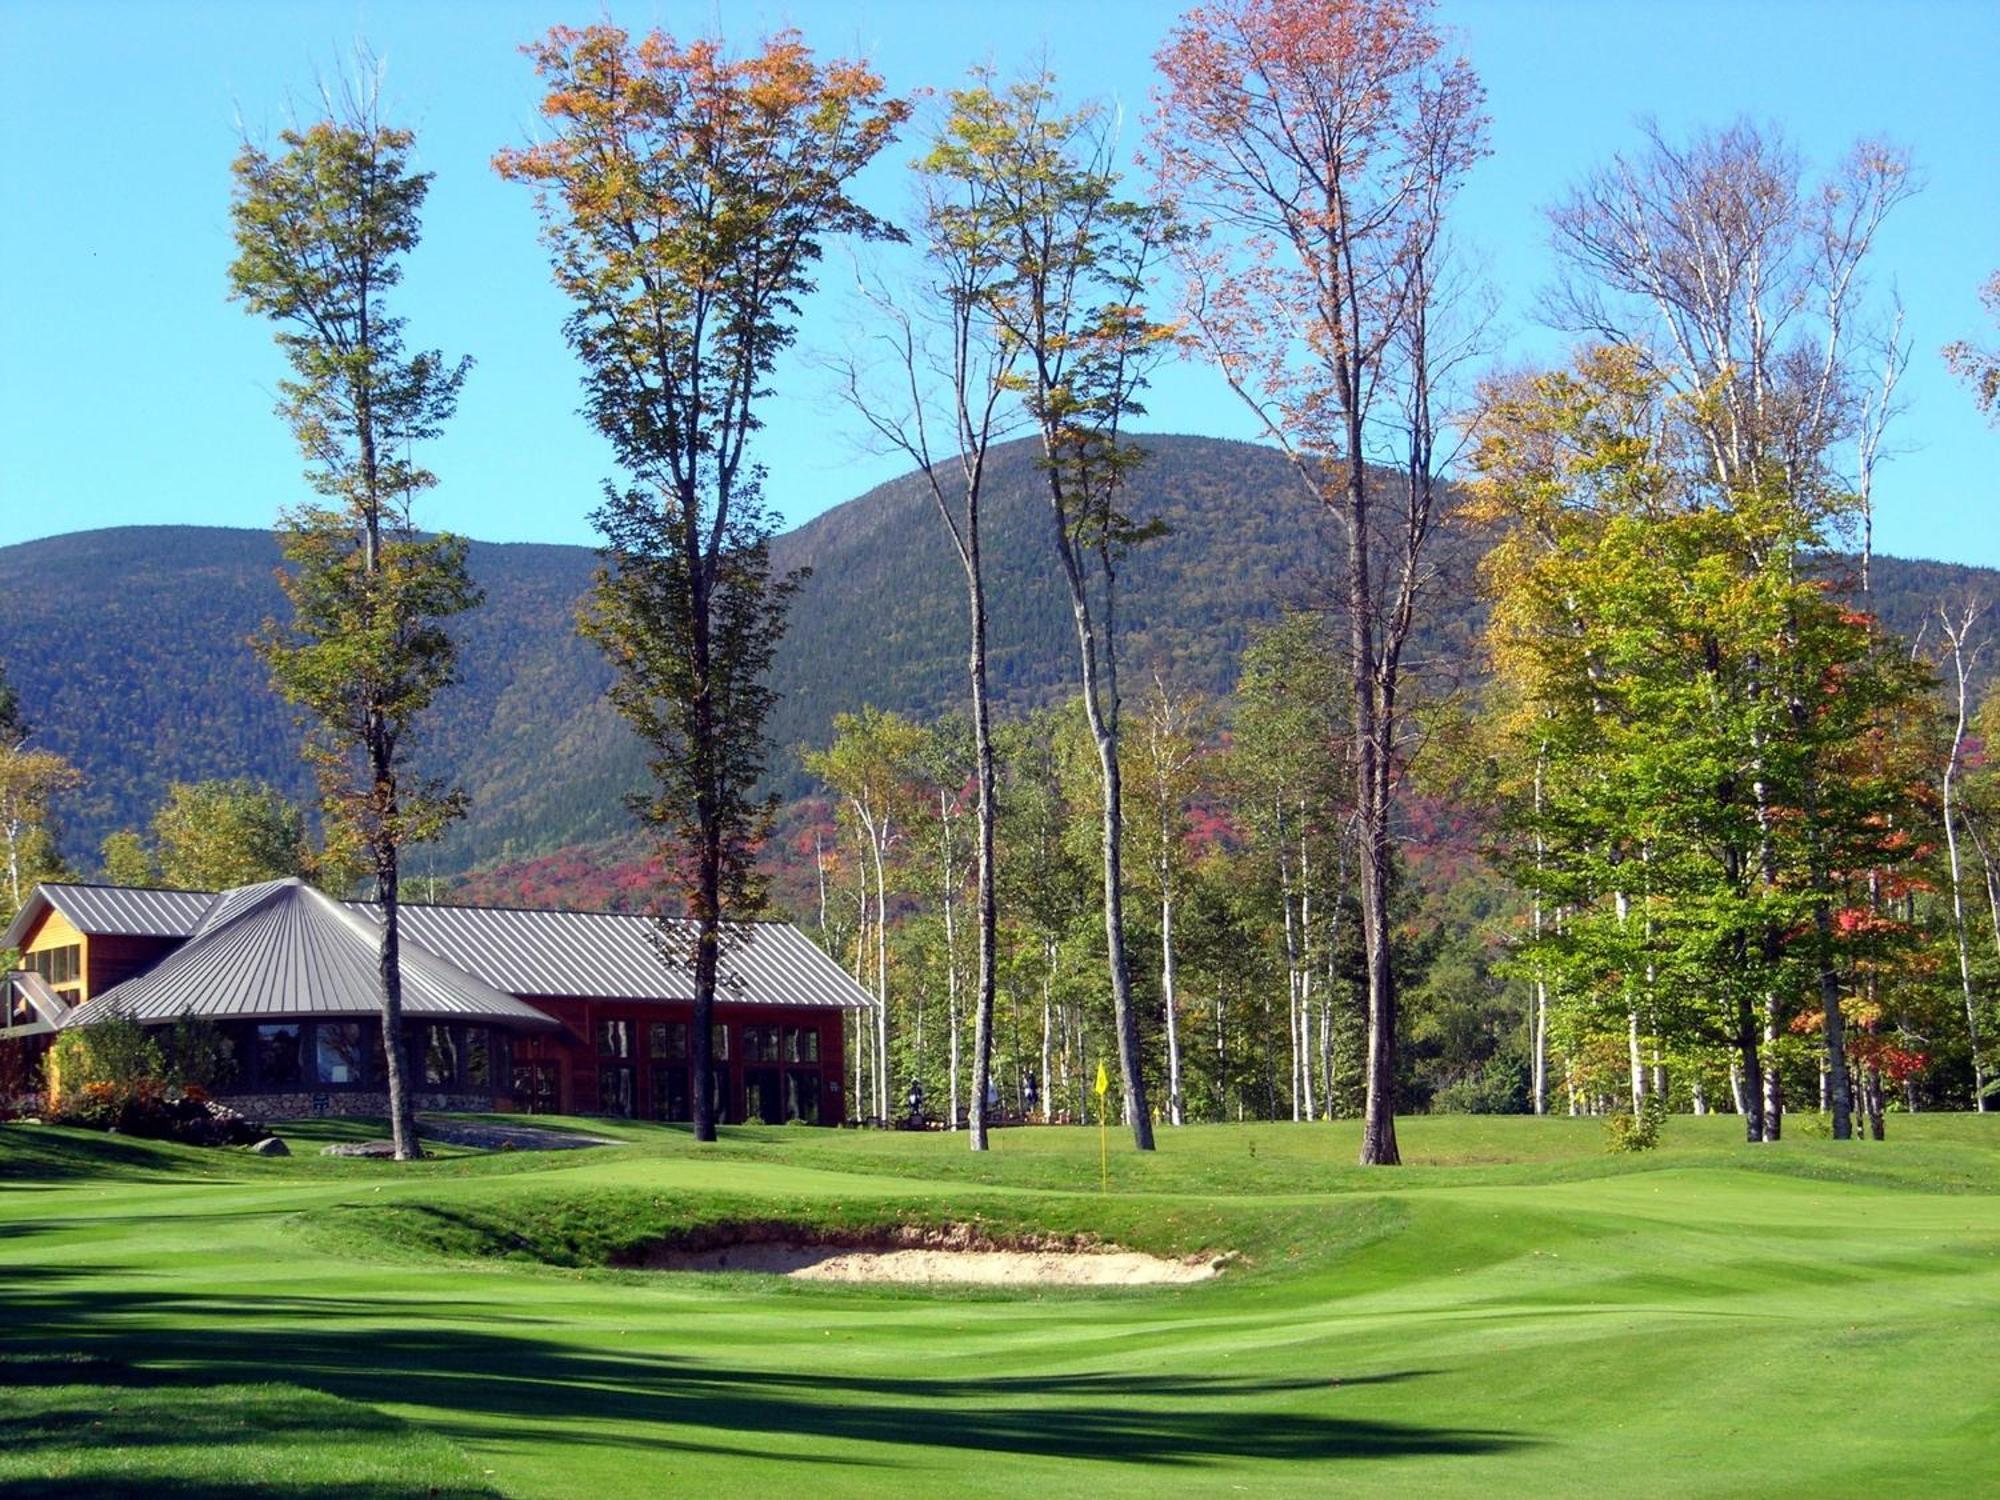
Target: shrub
pixel 115 1052
pixel 1499 1087
pixel 114 1076
pixel 1625 1131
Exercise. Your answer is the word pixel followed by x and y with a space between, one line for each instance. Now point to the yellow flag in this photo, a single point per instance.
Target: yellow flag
pixel 1103 1080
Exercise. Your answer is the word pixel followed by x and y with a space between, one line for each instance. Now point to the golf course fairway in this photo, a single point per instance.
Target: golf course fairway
pixel 1513 1312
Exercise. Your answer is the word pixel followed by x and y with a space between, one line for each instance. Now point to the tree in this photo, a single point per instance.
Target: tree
pixel 1977 366
pixel 30 781
pixel 1040 200
pixel 321 228
pixel 126 860
pixel 1172 750
pixel 1313 150
pixel 871 764
pixel 947 366
pixel 685 196
pixel 1710 802
pixel 1744 287
pixel 212 835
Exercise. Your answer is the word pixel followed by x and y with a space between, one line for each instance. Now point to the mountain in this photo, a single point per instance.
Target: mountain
pixel 129 646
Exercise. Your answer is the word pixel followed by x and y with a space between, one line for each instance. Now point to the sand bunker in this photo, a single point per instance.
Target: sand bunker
pixel 912 1255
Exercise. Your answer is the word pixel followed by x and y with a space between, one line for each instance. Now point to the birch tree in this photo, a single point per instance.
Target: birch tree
pixel 1038 195
pixel 937 388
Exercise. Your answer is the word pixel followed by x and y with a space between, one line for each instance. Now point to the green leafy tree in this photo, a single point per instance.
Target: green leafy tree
pixel 125 860
pixel 1705 723
pixel 685 197
pixel 212 835
pixel 1041 201
pixel 322 226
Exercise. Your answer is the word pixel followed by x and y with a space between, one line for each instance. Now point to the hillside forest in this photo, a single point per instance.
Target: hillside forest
pixel 1488 738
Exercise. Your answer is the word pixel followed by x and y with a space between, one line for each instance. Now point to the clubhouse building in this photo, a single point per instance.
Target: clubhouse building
pixel 504 1009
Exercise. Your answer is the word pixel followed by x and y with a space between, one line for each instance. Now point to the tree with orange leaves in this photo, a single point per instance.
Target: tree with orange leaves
pixel 685 196
pixel 1312 149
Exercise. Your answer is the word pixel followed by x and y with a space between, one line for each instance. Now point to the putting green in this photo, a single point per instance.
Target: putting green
pixel 1513 1313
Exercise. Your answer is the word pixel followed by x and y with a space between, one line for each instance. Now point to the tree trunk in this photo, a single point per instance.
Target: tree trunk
pixel 395 1055
pixel 1170 993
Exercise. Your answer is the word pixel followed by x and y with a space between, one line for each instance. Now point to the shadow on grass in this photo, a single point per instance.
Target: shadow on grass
pixel 358 1348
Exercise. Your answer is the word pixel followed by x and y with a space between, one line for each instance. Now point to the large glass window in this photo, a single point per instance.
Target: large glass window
pixel 537 1087
pixel 614 1038
pixel 760 1044
pixel 802 1044
pixel 614 1089
pixel 337 1051
pixel 441 1054
pixel 670 1092
pixel 478 1058
pixel 280 1063
pixel 718 1043
pixel 802 1095
pixel 667 1041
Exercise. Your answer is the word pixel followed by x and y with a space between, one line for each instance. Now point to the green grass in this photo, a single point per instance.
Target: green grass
pixel 1515 1312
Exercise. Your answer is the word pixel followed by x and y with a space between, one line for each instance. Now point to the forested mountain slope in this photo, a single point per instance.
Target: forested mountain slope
pixel 129 646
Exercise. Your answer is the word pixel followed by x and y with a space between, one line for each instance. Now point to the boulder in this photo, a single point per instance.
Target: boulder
pixel 270 1146
pixel 360 1148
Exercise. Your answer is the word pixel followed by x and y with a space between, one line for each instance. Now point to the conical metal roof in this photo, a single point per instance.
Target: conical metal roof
pixel 285 949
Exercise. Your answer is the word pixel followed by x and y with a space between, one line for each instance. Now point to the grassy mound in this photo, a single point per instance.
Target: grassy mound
pixel 1518 1314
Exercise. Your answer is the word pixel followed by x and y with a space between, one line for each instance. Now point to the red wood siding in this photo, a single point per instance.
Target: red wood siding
pixel 573 1052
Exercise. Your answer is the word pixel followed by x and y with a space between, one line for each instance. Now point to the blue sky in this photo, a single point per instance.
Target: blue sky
pixel 131 392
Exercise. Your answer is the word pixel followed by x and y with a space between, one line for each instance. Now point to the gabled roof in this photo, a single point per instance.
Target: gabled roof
pixel 111 910
pixel 44 1008
pixel 591 955
pixel 616 956
pixel 285 949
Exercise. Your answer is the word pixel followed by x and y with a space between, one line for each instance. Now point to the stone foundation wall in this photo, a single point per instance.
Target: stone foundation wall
pixel 346 1102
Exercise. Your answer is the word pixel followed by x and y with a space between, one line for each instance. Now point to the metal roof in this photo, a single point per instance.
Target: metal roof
pixel 45 1007
pixel 585 955
pixel 615 956
pixel 112 911
pixel 284 949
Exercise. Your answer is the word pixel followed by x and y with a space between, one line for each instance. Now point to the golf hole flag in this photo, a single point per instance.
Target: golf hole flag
pixel 1103 1137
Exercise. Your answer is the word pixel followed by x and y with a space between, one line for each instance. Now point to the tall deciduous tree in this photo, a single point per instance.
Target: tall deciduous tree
pixel 1039 198
pixel 1979 365
pixel 685 196
pixel 1313 149
pixel 322 226
pixel 1743 283
pixel 937 391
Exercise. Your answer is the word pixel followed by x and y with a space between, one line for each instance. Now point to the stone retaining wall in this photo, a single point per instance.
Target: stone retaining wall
pixel 345 1102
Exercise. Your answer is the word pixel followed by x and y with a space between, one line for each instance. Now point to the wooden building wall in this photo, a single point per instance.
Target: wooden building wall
pixel 570 1065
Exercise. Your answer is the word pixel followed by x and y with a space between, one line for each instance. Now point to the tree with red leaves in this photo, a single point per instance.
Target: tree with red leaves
pixel 1313 149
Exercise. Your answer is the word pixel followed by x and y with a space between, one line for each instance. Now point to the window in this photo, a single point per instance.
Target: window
pixel 760 1044
pixel 802 1095
pixel 478 1058
pixel 667 1041
pixel 801 1044
pixel 440 1057
pixel 718 1043
pixel 337 1051
pixel 279 1056
pixel 614 1038
pixel 670 1092
pixel 58 965
pixel 614 1089
pixel 537 1087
